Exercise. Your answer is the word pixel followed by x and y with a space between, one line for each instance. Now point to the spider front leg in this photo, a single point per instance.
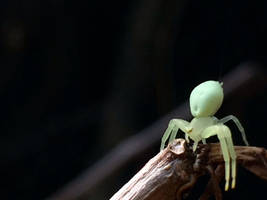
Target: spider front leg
pixel 227 148
pixel 171 131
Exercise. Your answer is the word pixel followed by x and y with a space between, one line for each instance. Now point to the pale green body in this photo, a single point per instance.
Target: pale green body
pixel 205 100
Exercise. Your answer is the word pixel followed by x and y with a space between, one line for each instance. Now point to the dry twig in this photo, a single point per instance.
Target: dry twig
pixel 175 170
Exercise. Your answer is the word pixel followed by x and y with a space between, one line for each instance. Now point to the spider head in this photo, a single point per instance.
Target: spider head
pixel 206 99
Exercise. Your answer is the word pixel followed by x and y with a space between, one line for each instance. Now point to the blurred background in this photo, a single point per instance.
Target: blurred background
pixel 79 78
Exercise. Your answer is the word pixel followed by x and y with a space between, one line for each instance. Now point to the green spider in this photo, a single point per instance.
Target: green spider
pixel 205 100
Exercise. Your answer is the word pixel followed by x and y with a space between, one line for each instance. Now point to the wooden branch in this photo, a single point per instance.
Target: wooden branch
pixel 176 169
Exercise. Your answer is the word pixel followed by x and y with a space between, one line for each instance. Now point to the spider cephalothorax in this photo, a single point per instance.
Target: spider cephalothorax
pixel 205 100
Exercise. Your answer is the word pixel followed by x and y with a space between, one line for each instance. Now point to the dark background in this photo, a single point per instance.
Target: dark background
pixel 79 77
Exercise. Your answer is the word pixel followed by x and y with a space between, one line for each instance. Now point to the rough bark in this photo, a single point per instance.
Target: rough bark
pixel 176 169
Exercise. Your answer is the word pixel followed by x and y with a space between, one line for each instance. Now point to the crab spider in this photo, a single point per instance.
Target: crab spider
pixel 205 100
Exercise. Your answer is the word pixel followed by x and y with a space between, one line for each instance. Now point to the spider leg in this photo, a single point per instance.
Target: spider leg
pixel 187 138
pixel 224 135
pixel 233 159
pixel 226 160
pixel 171 131
pixel 166 135
pixel 238 124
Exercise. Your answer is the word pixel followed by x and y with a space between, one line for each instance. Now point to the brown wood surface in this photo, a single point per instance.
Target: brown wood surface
pixel 176 169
